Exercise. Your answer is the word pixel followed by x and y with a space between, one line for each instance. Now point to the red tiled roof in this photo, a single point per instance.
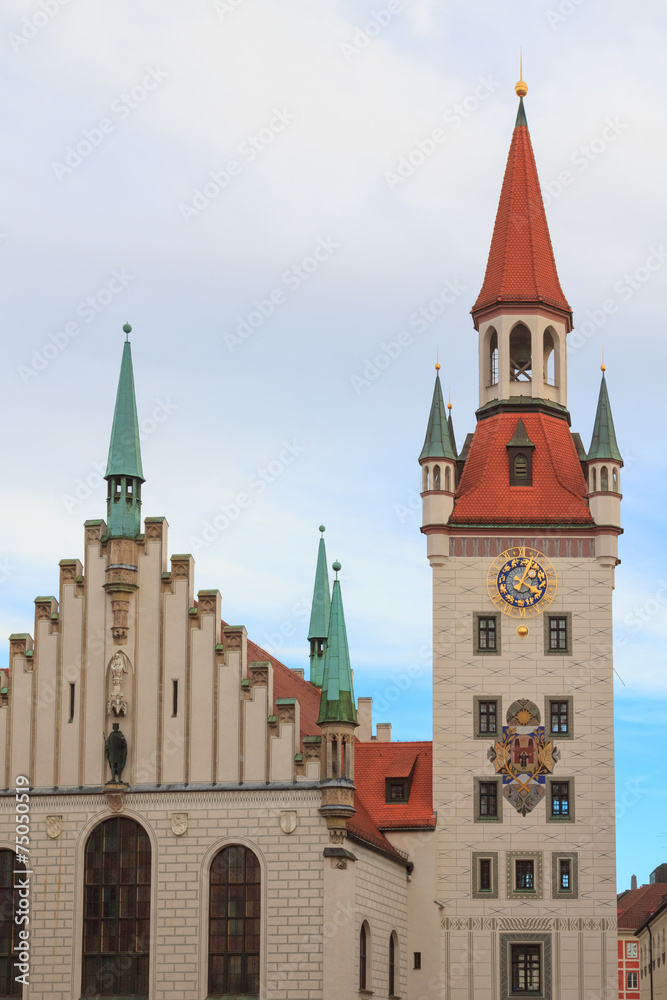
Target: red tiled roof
pixel 521 265
pixel 363 826
pixel 635 906
pixel 557 495
pixel 376 761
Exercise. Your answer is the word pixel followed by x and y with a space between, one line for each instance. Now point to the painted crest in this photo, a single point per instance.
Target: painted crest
pixel 523 756
pixel 179 824
pixel 54 826
pixel 288 821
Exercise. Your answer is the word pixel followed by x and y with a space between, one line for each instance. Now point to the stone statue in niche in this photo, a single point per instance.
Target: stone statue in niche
pixel 117 705
pixel 115 746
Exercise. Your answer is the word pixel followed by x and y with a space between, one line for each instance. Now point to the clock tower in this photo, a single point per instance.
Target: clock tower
pixel 522 529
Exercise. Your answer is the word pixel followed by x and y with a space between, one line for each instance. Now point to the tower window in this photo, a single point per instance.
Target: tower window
pixel 486 633
pixel 436 477
pixel 604 479
pixel 448 480
pixel 521 360
pixel 594 481
pixel 564 875
pixel 485 883
pixel 524 875
pixel 558 634
pixel 425 478
pixel 488 798
pixel 493 359
pixel 560 717
pixel 520 467
pixel 614 480
pixel 560 799
pixel 488 717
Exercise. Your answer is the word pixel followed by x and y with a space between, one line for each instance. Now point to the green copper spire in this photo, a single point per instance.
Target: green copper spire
pixel 450 426
pixel 124 471
pixel 603 442
pixel 438 442
pixel 319 615
pixel 521 115
pixel 337 700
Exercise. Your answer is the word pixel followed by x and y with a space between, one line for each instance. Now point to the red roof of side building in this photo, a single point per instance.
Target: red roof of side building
pixel 375 762
pixel 521 265
pixel 557 496
pixel 636 906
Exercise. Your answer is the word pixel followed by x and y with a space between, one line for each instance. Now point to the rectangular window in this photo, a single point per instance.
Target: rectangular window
pixel 560 716
pixel 486 633
pixel 488 798
pixel 560 798
pixel 631 949
pixel 72 696
pixel 174 698
pixel 524 877
pixel 633 981
pixel 485 882
pixel 488 716
pixel 564 875
pixel 418 960
pixel 558 638
pixel 526 969
pixel 397 791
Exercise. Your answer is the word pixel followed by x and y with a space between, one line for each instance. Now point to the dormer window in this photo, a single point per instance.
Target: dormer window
pixel 397 790
pixel 520 451
pixel 520 471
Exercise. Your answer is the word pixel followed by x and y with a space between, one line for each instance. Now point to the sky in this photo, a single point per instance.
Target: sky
pixel 292 204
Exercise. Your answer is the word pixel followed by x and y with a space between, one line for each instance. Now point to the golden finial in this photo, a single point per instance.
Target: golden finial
pixel 437 360
pixel 449 404
pixel 603 366
pixel 521 89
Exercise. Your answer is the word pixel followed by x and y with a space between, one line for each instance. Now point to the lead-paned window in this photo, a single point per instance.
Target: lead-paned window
pixel 9 931
pixel 234 923
pixel 560 716
pixel 564 875
pixel 487 633
pixel 488 716
pixel 633 981
pixel 488 798
pixel 117 902
pixel 524 878
pixel 631 949
pixel 558 637
pixel 526 969
pixel 485 875
pixel 560 798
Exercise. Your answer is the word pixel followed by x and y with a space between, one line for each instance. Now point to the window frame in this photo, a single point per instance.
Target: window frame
pixel 560 780
pixel 405 782
pixel 528 948
pixel 628 946
pixel 475 891
pixel 212 987
pixel 537 892
pixel 478 700
pixel 635 985
pixel 393 963
pixel 507 940
pixel 569 735
pixel 479 616
pixel 481 817
pixel 548 618
pixel 364 968
pixel 556 891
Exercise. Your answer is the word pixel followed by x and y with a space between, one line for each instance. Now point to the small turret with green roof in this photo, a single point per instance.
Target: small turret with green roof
pixel 124 470
pixel 337 698
pixel 439 432
pixel 603 443
pixel 319 615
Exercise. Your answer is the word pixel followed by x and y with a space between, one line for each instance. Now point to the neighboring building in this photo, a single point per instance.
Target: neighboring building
pixel 522 530
pixel 633 908
pixel 204 822
pixel 652 935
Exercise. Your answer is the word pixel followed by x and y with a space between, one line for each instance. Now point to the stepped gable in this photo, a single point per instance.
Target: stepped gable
pixel 375 762
pixel 558 492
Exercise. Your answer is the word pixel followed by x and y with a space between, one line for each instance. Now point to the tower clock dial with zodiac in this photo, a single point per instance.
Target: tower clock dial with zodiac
pixel 521 582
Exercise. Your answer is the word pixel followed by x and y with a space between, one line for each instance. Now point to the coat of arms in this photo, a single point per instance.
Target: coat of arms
pixel 523 755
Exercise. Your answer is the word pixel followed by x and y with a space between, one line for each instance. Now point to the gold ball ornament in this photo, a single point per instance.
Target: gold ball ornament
pixel 521 88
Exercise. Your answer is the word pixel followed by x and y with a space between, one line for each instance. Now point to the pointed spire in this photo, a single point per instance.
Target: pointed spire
pixel 520 437
pixel 124 449
pixel 319 615
pixel 521 265
pixel 438 442
pixel 337 699
pixel 603 442
pixel 450 425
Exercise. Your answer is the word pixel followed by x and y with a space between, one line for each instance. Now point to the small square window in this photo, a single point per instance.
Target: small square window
pixel 488 798
pixel 633 981
pixel 488 717
pixel 396 790
pixel 631 949
pixel 526 969
pixel 524 875
pixel 560 799
pixel 418 960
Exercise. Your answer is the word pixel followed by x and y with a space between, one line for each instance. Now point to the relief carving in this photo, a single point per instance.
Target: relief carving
pixel 179 824
pixel 54 826
pixel 118 665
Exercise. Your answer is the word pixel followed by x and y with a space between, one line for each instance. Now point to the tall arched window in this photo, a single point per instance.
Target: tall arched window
pixel 425 478
pixel 604 479
pixel 436 477
pixel 448 480
pixel 493 359
pixel 594 481
pixel 117 903
pixel 549 358
pixel 393 963
pixel 234 923
pixel 364 964
pixel 614 480
pixel 521 357
pixel 9 931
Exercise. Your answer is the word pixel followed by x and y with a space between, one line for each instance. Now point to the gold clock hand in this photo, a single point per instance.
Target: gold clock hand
pixel 519 585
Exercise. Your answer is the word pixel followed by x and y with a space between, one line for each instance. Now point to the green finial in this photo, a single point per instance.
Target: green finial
pixel 336 568
pixel 337 699
pixel 124 470
pixel 322 528
pixel 319 615
pixel 603 442
pixel 127 330
pixel 438 443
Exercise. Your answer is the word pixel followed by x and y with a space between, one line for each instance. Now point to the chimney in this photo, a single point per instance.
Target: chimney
pixel 365 719
pixel 384 732
pixel 633 882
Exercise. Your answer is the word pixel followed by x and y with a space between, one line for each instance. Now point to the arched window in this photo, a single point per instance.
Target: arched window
pixel 9 931
pixel 117 902
pixel 604 479
pixel 448 480
pixel 436 477
pixel 393 963
pixel 549 358
pixel 614 480
pixel 521 359
pixel 234 923
pixel 594 481
pixel 493 359
pixel 425 478
pixel 364 963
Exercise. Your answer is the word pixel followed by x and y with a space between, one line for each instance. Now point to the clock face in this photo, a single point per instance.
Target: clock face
pixel 521 582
